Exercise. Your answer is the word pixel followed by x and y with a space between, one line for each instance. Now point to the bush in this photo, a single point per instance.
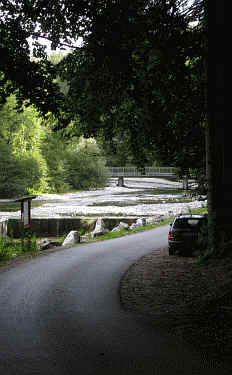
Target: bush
pixel 4 249
pixel 29 244
pixel 11 248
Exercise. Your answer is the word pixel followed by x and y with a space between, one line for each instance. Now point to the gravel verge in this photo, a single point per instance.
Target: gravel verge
pixel 189 300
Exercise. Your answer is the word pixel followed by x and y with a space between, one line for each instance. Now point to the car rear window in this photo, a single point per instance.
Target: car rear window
pixel 188 223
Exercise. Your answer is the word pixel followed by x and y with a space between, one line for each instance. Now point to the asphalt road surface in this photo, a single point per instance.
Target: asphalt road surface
pixel 61 315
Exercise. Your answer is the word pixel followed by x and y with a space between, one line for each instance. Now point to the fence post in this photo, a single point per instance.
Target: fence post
pixel 185 182
pixel 120 181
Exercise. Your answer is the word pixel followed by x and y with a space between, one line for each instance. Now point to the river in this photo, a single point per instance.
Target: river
pixel 140 197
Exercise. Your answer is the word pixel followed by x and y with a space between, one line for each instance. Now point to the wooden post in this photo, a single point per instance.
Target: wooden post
pixel 185 182
pixel 25 203
pixel 120 181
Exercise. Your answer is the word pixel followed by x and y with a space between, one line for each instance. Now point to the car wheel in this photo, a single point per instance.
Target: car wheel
pixel 171 251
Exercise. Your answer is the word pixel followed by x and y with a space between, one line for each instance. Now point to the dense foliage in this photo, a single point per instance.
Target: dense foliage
pixel 138 74
pixel 33 159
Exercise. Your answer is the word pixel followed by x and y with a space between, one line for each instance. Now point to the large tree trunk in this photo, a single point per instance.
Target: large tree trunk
pixel 218 142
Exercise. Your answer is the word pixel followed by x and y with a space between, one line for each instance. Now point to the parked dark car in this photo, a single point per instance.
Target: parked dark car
pixel 185 234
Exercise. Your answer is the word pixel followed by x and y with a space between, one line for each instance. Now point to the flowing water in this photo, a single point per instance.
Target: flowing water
pixel 140 197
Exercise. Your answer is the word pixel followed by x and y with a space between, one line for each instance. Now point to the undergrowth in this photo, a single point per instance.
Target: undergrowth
pixel 11 248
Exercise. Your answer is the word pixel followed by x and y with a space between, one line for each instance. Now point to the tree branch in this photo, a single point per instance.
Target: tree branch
pixel 38 35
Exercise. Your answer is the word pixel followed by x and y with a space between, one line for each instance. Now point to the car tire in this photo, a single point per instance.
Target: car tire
pixel 171 251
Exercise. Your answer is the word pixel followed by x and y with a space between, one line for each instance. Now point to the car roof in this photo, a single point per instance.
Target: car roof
pixel 190 217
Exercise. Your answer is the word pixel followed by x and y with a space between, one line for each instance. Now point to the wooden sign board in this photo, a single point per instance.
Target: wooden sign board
pixel 25 213
pixel 25 208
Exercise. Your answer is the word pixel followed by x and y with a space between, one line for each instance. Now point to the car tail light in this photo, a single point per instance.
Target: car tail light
pixel 171 236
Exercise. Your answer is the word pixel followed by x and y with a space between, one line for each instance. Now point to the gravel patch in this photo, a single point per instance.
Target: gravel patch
pixel 190 301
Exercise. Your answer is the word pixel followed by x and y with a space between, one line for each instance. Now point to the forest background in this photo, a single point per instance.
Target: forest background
pixel 35 160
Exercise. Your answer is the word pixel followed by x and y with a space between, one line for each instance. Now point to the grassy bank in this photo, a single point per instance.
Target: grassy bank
pixel 11 248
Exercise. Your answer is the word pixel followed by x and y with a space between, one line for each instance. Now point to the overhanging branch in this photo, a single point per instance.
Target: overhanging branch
pixel 38 35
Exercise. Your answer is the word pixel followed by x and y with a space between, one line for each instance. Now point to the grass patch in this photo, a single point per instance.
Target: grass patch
pixel 11 248
pixel 122 233
pixel 199 211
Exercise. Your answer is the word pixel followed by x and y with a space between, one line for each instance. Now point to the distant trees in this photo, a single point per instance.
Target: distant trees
pixel 12 175
pixel 21 136
pixel 33 159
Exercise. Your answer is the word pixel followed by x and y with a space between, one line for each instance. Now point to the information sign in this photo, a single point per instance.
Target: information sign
pixel 25 213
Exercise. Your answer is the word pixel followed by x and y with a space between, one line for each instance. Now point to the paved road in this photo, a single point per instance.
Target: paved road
pixel 61 315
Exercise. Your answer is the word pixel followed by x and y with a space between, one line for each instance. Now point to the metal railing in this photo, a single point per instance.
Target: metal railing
pixel 140 172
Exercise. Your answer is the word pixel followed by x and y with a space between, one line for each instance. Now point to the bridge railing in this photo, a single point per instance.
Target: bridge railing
pixel 137 172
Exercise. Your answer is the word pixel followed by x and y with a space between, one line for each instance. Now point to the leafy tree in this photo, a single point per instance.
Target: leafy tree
pixel 24 133
pixel 43 161
pixel 13 179
pixel 56 58
pixel 149 82
pixel 54 152
pixel 118 150
pixel 31 80
pixel 85 165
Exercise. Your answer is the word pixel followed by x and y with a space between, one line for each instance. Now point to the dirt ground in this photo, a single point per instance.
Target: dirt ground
pixel 190 300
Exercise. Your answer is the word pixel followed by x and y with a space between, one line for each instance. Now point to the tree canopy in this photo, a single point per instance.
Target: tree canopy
pixel 138 72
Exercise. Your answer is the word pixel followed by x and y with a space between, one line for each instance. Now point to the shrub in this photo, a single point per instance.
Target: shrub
pixel 9 248
pixel 4 249
pixel 29 244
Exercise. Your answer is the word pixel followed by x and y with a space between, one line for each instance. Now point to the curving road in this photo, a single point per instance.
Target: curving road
pixel 61 315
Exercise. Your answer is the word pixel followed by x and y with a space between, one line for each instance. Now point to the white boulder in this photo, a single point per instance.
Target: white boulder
pixel 120 226
pixel 100 228
pixel 133 226
pixel 45 244
pixel 71 238
pixel 153 220
pixel 139 223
